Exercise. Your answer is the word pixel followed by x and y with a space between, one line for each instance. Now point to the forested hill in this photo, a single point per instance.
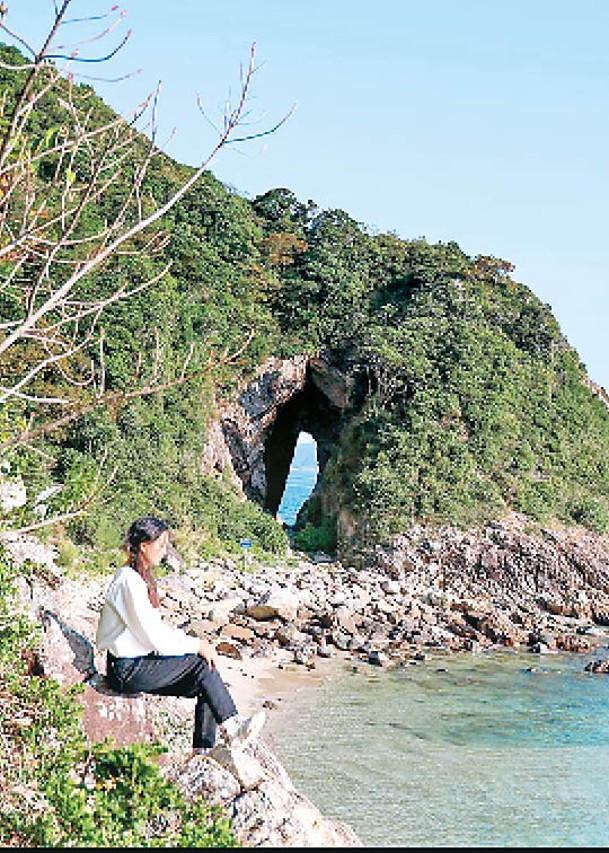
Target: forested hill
pixel 470 401
pixel 476 401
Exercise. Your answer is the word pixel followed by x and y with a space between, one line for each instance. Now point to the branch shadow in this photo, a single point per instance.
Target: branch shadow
pixel 84 653
pixel 84 657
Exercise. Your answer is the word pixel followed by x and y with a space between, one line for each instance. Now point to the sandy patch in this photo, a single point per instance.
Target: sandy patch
pixel 275 683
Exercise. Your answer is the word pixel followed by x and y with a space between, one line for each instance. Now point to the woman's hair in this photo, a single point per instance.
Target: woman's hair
pixel 145 529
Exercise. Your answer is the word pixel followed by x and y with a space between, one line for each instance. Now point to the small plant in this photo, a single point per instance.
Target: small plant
pixel 592 514
pixel 68 556
pixel 317 538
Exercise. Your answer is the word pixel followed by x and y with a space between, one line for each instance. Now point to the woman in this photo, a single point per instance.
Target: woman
pixel 146 655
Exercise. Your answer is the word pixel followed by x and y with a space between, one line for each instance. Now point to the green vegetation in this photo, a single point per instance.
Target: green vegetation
pixel 473 403
pixel 468 400
pixel 479 405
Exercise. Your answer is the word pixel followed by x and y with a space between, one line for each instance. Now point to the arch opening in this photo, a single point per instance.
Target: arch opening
pixel 307 411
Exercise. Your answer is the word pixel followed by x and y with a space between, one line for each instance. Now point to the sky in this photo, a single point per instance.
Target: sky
pixel 485 122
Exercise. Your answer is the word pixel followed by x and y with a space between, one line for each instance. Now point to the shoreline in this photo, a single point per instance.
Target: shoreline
pixel 281 628
pixel 275 683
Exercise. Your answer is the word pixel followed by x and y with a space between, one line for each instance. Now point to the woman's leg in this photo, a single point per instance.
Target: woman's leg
pixel 204 732
pixel 180 675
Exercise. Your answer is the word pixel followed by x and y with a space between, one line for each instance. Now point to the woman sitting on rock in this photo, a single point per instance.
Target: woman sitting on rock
pixel 146 655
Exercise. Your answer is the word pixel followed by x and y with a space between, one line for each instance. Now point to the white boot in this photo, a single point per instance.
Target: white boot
pixel 238 730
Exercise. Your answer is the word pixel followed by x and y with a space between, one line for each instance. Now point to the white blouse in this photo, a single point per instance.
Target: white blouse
pixel 129 626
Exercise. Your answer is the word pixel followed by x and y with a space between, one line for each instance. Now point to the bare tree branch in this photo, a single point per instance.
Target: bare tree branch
pixel 75 201
pixel 111 242
pixel 115 399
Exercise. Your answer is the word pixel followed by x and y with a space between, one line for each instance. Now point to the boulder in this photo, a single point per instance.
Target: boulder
pixel 265 807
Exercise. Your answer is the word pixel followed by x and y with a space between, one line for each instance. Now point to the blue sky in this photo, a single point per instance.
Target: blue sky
pixel 486 123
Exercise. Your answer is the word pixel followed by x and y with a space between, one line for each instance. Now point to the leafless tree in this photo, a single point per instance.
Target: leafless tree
pixel 53 184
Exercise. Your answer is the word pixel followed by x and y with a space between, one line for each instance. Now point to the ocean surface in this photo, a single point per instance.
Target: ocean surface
pixel 496 749
pixel 301 479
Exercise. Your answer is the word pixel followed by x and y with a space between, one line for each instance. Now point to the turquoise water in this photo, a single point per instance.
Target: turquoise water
pixel 488 749
pixel 301 479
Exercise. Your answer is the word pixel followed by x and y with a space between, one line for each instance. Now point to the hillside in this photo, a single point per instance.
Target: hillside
pixel 459 399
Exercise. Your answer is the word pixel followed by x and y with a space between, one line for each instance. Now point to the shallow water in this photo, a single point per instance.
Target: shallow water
pixel 496 749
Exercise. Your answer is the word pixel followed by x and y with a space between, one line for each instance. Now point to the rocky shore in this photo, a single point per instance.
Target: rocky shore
pixel 511 584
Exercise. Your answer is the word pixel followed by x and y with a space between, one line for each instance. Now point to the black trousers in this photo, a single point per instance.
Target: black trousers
pixel 177 675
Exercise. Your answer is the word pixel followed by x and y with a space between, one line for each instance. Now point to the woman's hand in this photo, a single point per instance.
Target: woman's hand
pixel 208 653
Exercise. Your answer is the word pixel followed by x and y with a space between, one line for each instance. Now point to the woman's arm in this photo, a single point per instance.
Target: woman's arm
pixel 145 622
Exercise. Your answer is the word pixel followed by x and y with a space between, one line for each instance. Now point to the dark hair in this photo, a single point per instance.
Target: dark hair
pixel 145 529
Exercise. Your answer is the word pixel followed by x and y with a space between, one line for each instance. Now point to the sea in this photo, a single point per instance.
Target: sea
pixel 301 480
pixel 480 749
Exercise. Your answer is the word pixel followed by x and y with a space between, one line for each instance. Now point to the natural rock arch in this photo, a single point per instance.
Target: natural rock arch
pixel 260 432
pixel 308 410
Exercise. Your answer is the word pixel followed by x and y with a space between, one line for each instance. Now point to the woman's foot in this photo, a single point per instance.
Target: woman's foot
pixel 238 730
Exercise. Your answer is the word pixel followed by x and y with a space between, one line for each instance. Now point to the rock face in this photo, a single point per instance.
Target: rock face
pixel 265 807
pixel 246 424
pixel 252 441
pixel 261 430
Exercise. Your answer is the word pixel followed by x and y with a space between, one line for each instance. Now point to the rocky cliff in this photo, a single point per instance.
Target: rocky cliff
pixel 254 437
